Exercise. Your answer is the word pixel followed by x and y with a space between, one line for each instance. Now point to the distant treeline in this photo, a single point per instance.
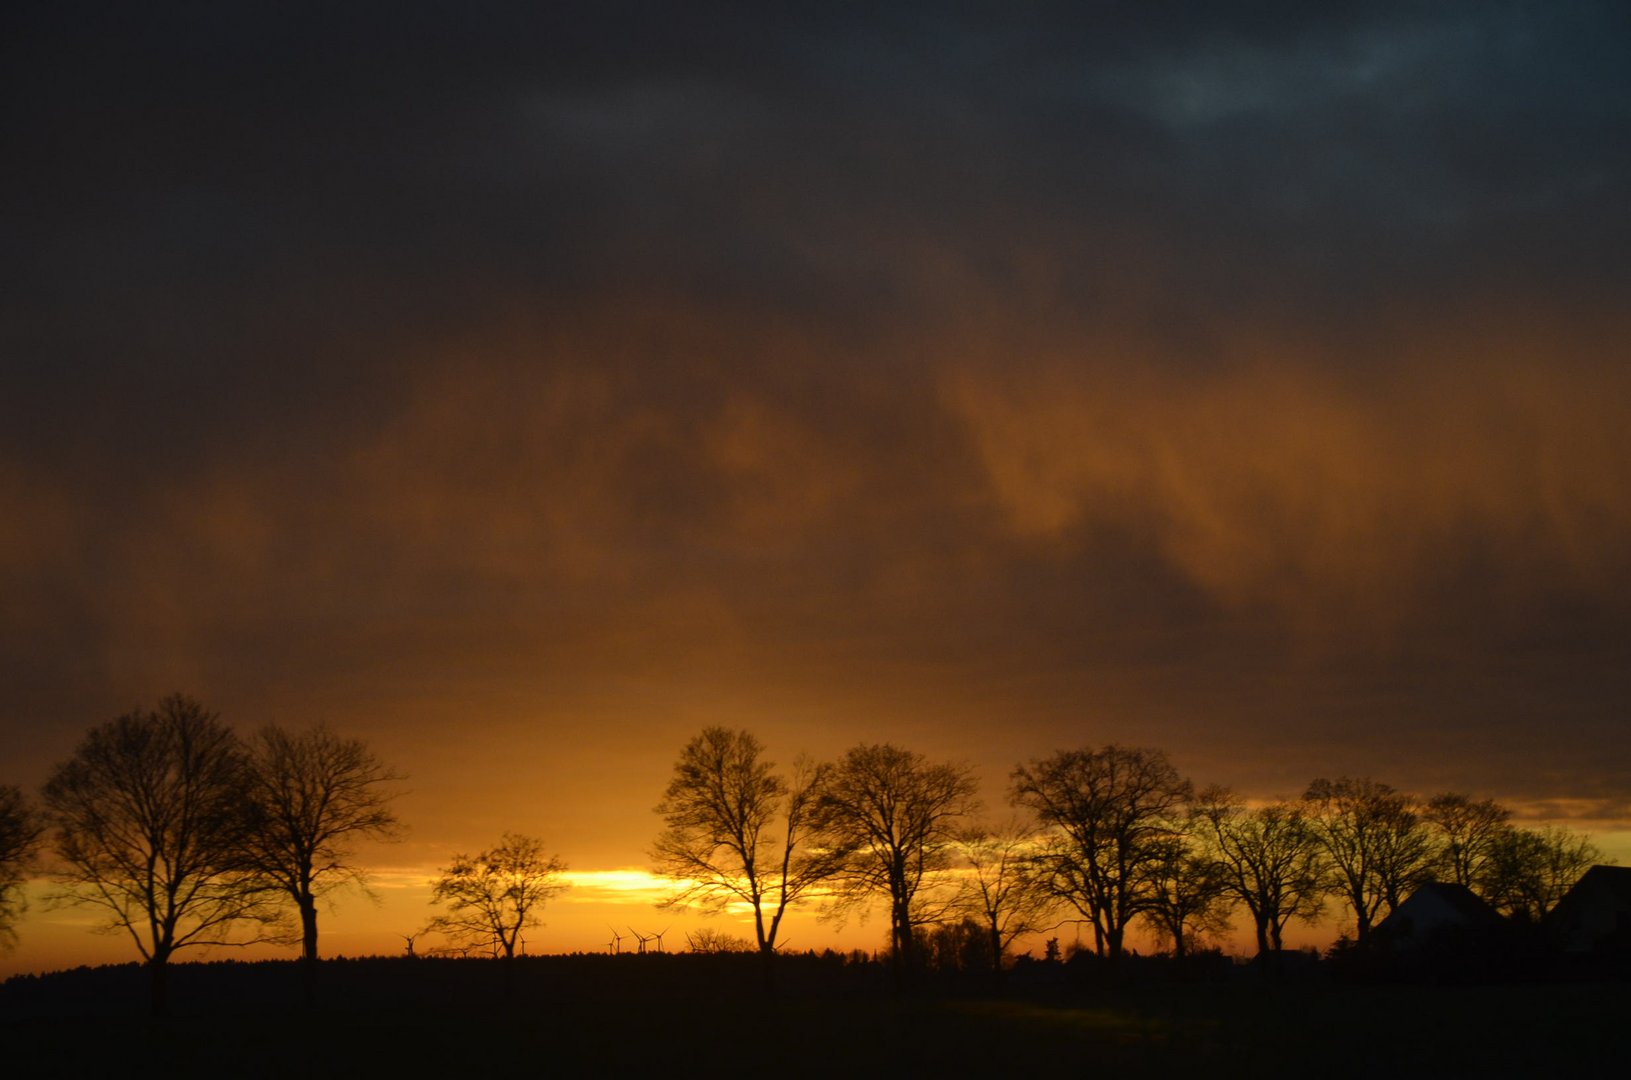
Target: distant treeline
pixel 183 834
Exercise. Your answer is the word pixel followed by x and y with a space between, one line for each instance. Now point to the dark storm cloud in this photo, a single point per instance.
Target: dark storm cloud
pixel 1226 159
pixel 1258 364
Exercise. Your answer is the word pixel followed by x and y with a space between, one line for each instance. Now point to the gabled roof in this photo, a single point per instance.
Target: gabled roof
pixel 1466 903
pixel 1605 880
pixel 1439 903
pixel 1595 915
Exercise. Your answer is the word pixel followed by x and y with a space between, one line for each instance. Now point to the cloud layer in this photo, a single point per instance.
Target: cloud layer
pixel 540 385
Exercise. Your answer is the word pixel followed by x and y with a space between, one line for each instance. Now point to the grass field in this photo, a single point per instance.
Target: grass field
pixel 586 1016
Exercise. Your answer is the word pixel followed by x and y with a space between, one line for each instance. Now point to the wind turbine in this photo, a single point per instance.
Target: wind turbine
pixel 616 943
pixel 641 938
pixel 659 936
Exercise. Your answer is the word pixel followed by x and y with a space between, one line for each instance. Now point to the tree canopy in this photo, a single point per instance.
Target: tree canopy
pixel 150 828
pixel 1112 814
pixel 737 831
pixel 1269 857
pixel 894 815
pixel 1377 842
pixel 313 795
pixel 20 831
pixel 490 898
pixel 1001 889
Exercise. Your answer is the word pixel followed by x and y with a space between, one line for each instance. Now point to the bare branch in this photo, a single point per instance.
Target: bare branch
pixel 722 809
pixel 1112 813
pixel 21 829
pixel 490 898
pixel 150 826
pixel 889 818
pixel 313 795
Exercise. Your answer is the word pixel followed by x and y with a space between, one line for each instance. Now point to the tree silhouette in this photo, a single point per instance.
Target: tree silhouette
pixel 1528 870
pixel 1377 843
pixel 739 833
pixel 150 828
pixel 314 795
pixel 1112 814
pixel 492 897
pixel 894 816
pixel 20 831
pixel 1188 899
pixel 708 941
pixel 1468 831
pixel 955 947
pixel 1270 858
pixel 1002 891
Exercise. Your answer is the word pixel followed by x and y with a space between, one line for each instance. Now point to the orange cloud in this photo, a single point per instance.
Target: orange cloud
pixel 1311 489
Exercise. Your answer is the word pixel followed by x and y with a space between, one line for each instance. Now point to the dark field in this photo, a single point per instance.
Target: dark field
pixel 700 1016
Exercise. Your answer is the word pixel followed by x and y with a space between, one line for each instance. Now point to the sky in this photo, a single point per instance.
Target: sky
pixel 521 388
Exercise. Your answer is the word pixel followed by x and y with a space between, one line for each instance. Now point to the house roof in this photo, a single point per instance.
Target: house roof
pixel 1610 880
pixel 1460 899
pixel 1596 913
pixel 1434 897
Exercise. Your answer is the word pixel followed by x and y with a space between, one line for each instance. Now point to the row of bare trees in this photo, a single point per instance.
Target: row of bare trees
pixel 1110 836
pixel 879 822
pixel 182 834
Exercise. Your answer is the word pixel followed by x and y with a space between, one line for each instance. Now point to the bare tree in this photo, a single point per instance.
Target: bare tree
pixel 1378 845
pixel 1528 870
pixel 1189 900
pixel 894 815
pixel 1468 831
pixel 489 899
pixel 20 831
pixel 150 828
pixel 1270 858
pixel 314 795
pixel 1112 813
pixel 709 941
pixel 955 947
pixel 1002 890
pixel 738 832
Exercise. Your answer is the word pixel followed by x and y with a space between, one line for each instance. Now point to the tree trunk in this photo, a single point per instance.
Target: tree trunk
pixel 996 955
pixel 308 927
pixel 1112 941
pixel 308 950
pixel 900 914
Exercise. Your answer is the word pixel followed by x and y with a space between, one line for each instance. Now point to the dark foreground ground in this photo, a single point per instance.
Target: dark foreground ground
pixel 699 1016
